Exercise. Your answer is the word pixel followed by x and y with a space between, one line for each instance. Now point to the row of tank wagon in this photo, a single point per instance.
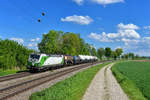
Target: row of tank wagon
pixel 46 61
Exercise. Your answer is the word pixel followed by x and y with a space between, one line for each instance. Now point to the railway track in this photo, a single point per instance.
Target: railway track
pixel 15 76
pixel 19 75
pixel 10 91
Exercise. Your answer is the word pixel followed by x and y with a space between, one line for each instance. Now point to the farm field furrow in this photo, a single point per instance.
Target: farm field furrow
pixel 138 73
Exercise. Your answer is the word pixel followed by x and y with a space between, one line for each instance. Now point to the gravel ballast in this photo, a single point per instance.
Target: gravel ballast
pixel 34 76
pixel 25 95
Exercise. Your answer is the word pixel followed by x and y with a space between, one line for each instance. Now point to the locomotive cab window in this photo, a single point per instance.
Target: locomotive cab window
pixel 34 56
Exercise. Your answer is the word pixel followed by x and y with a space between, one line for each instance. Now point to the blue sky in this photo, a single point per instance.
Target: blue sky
pixel 103 23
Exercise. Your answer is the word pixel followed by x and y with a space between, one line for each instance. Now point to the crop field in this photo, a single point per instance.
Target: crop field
pixel 138 73
pixel 72 88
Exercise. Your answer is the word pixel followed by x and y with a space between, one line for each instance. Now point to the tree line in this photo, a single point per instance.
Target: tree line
pixel 108 53
pixel 58 42
pixel 14 55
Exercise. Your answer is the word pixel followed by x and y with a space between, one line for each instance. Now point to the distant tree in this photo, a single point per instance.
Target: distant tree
pixel 126 56
pixel 119 51
pixel 131 55
pixel 93 51
pixel 108 52
pixel 122 57
pixel 137 56
pixel 114 55
pixel 101 52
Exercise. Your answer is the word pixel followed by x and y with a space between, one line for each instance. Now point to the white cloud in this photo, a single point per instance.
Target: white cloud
pixel 118 47
pixel 83 20
pixel 146 27
pixel 128 26
pixel 79 2
pixel 130 41
pixel 141 46
pixel 32 45
pixel 128 30
pixel 146 38
pixel 19 40
pixel 36 39
pixel 105 2
pixel 126 33
pixel 98 37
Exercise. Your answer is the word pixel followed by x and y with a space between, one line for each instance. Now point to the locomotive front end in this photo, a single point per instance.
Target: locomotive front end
pixel 34 62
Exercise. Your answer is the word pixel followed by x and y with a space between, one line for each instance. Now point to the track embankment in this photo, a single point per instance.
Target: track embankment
pixel 22 90
pixel 14 76
pixel 105 87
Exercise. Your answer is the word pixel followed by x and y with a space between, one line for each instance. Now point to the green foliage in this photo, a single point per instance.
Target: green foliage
pixel 71 44
pixel 114 55
pixel 85 48
pixel 93 51
pixel 108 52
pixel 101 52
pixel 137 72
pixel 58 42
pixel 51 43
pixel 7 72
pixel 10 71
pixel 119 51
pixel 131 55
pixel 13 55
pixel 72 88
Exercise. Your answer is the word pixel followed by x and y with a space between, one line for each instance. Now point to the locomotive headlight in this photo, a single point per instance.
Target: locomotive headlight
pixel 32 64
pixel 39 65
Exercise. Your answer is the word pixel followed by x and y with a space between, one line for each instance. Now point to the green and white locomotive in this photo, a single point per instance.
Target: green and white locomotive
pixel 44 61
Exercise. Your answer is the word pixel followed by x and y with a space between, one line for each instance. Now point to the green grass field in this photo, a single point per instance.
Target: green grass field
pixel 136 73
pixel 72 88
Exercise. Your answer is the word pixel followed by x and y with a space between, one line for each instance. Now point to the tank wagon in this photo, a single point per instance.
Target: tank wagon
pixel 68 60
pixel 40 62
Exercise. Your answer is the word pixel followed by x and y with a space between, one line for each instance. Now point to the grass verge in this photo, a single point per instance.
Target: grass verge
pixel 72 88
pixel 127 85
pixel 9 72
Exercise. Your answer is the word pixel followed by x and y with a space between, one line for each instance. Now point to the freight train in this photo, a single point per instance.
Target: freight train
pixel 39 62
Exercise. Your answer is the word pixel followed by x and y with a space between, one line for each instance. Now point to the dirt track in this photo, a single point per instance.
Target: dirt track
pixel 142 60
pixel 105 87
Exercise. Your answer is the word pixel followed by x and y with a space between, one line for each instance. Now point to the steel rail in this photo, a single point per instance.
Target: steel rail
pixel 21 87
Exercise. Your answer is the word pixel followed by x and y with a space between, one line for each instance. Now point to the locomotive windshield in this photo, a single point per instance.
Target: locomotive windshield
pixel 34 56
